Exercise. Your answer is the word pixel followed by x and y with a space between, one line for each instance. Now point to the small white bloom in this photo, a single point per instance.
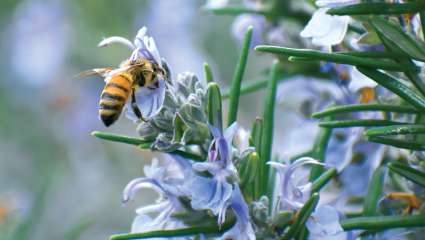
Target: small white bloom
pixel 143 47
pixel 324 224
pixel 335 3
pixel 358 80
pixel 216 3
pixel 291 189
pixel 326 30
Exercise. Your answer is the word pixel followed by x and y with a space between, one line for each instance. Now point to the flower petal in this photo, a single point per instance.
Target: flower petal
pixel 326 30
pixel 335 3
pixel 149 101
pixel 138 183
pixel 359 80
pixel 116 39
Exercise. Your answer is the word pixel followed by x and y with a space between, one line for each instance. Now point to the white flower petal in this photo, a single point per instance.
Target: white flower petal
pixel 335 3
pixel 318 25
pixel 326 30
pixel 216 3
pixel 136 184
pixel 116 39
pixel 359 80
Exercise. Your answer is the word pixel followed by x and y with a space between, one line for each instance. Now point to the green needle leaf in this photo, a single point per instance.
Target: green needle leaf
pixel 323 179
pixel 319 151
pixel 377 8
pixel 337 58
pixel 374 192
pixel 120 138
pixel 302 217
pixel 208 73
pixel 383 222
pixel 190 231
pixel 141 144
pixel 214 106
pixel 254 86
pixel 257 134
pixel 395 86
pixel 358 123
pixel 373 54
pixel 78 229
pixel 237 10
pixel 412 174
pixel 395 35
pixel 250 177
pixel 267 132
pixel 364 107
pixel 396 130
pixel 238 76
pixel 399 143
pixel 249 88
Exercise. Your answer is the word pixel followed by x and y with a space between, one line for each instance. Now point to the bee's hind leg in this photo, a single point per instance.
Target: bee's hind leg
pixel 135 108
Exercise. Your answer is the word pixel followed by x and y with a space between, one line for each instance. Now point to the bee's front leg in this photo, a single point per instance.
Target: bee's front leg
pixel 135 108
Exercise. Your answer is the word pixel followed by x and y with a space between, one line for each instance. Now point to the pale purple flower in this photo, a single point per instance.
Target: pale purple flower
pixel 242 229
pixel 143 46
pixel 148 100
pixel 215 193
pixel 221 191
pixel 159 179
pixel 292 190
pixel 324 224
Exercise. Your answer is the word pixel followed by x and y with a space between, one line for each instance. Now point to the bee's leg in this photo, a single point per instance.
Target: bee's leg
pixel 135 108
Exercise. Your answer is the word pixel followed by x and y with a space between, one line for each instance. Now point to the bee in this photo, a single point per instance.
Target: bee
pixel 139 83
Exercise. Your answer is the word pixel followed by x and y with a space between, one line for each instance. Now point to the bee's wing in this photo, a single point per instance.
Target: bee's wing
pixel 149 101
pixel 94 72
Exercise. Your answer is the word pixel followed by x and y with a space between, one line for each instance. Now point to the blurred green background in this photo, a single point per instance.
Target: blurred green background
pixel 55 179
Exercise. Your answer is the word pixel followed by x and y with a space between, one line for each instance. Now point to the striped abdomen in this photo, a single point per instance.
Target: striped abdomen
pixel 113 98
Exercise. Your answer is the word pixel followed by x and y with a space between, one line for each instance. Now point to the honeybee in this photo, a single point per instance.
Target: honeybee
pixel 138 82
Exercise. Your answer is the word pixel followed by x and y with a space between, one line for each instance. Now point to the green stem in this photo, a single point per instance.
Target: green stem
pixel 336 57
pixel 208 73
pixel 175 233
pixel 268 124
pixel 323 180
pixel 319 151
pixel 237 11
pixel 237 78
pixel 374 192
pixel 141 143
pixel 399 143
pixel 396 130
pixel 358 123
pixel 365 107
pixel 395 86
pixel 383 222
pixel 378 8
pixel 303 215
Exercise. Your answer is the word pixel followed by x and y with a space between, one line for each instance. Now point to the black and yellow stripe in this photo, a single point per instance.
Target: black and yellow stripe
pixel 113 98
